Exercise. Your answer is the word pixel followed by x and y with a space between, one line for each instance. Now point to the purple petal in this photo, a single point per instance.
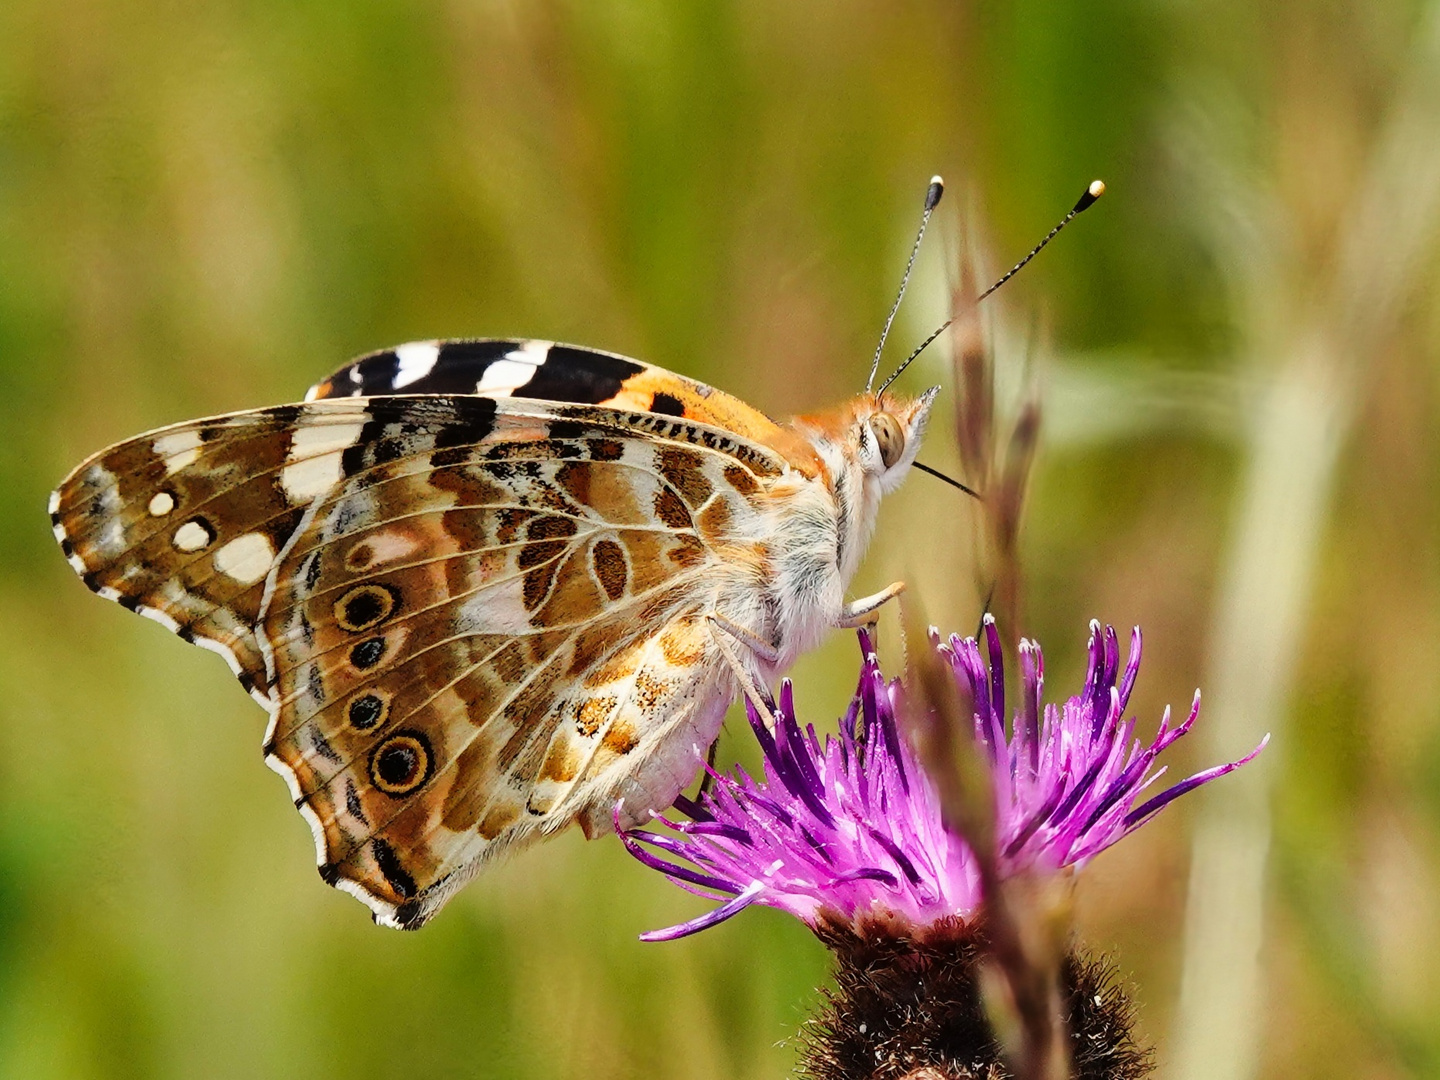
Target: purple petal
pixel 1132 668
pixel 1159 802
pixel 671 870
pixel 997 669
pixel 1032 685
pixel 709 919
pixel 693 810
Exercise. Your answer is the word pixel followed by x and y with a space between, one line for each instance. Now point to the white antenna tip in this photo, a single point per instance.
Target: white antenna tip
pixel 1093 192
pixel 933 193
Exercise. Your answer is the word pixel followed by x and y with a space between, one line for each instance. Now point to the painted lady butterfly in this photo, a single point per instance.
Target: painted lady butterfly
pixel 487 588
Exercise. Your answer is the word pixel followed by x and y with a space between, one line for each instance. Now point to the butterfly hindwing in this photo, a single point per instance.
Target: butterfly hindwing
pixel 490 625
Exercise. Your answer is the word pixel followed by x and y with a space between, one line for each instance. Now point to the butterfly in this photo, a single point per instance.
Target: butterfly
pixel 488 589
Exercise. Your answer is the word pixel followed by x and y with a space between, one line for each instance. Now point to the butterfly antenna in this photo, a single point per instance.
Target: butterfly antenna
pixel 949 480
pixel 1093 192
pixel 932 199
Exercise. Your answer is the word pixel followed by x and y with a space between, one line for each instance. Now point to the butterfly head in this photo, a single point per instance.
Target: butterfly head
pixel 888 434
pixel 878 434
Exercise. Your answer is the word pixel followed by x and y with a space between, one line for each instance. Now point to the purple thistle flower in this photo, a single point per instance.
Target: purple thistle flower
pixel 851 826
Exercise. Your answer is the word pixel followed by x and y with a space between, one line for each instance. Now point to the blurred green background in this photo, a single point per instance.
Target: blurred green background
pixel 206 206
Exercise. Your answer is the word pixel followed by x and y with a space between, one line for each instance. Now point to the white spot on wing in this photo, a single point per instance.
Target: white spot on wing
pixel 389 546
pixel 306 479
pixel 111 540
pixel 180 448
pixel 55 501
pixel 247 558
pixel 191 536
pixel 532 351
pixel 495 608
pixel 514 369
pixel 161 503
pixel 417 360
pixel 313 465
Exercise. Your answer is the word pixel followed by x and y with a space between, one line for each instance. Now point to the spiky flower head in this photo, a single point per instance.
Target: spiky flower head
pixel 849 827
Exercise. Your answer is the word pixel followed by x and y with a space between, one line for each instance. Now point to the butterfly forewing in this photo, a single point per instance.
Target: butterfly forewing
pixel 543 371
pixel 183 524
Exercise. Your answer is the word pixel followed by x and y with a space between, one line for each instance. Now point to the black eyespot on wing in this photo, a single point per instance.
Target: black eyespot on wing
pixel 402 763
pixel 366 606
pixel 366 711
pixel 368 653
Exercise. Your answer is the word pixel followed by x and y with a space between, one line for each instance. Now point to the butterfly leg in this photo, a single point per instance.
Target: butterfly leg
pixel 719 634
pixel 751 640
pixel 707 778
pixel 862 612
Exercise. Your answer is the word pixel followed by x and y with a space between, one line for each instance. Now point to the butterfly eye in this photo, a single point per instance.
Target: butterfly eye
pixel 890 437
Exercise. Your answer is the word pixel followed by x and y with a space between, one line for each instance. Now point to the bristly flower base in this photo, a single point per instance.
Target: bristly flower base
pixel 908 1005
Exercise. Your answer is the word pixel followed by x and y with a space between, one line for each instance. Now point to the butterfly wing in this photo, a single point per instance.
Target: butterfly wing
pixel 544 371
pixel 182 524
pixel 476 620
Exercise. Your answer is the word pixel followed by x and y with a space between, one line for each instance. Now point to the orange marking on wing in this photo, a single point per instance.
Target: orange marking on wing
pixel 621 738
pixel 499 818
pixel 715 520
pixel 701 403
pixel 618 667
pixel 562 762
pixel 593 713
pixel 683 643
